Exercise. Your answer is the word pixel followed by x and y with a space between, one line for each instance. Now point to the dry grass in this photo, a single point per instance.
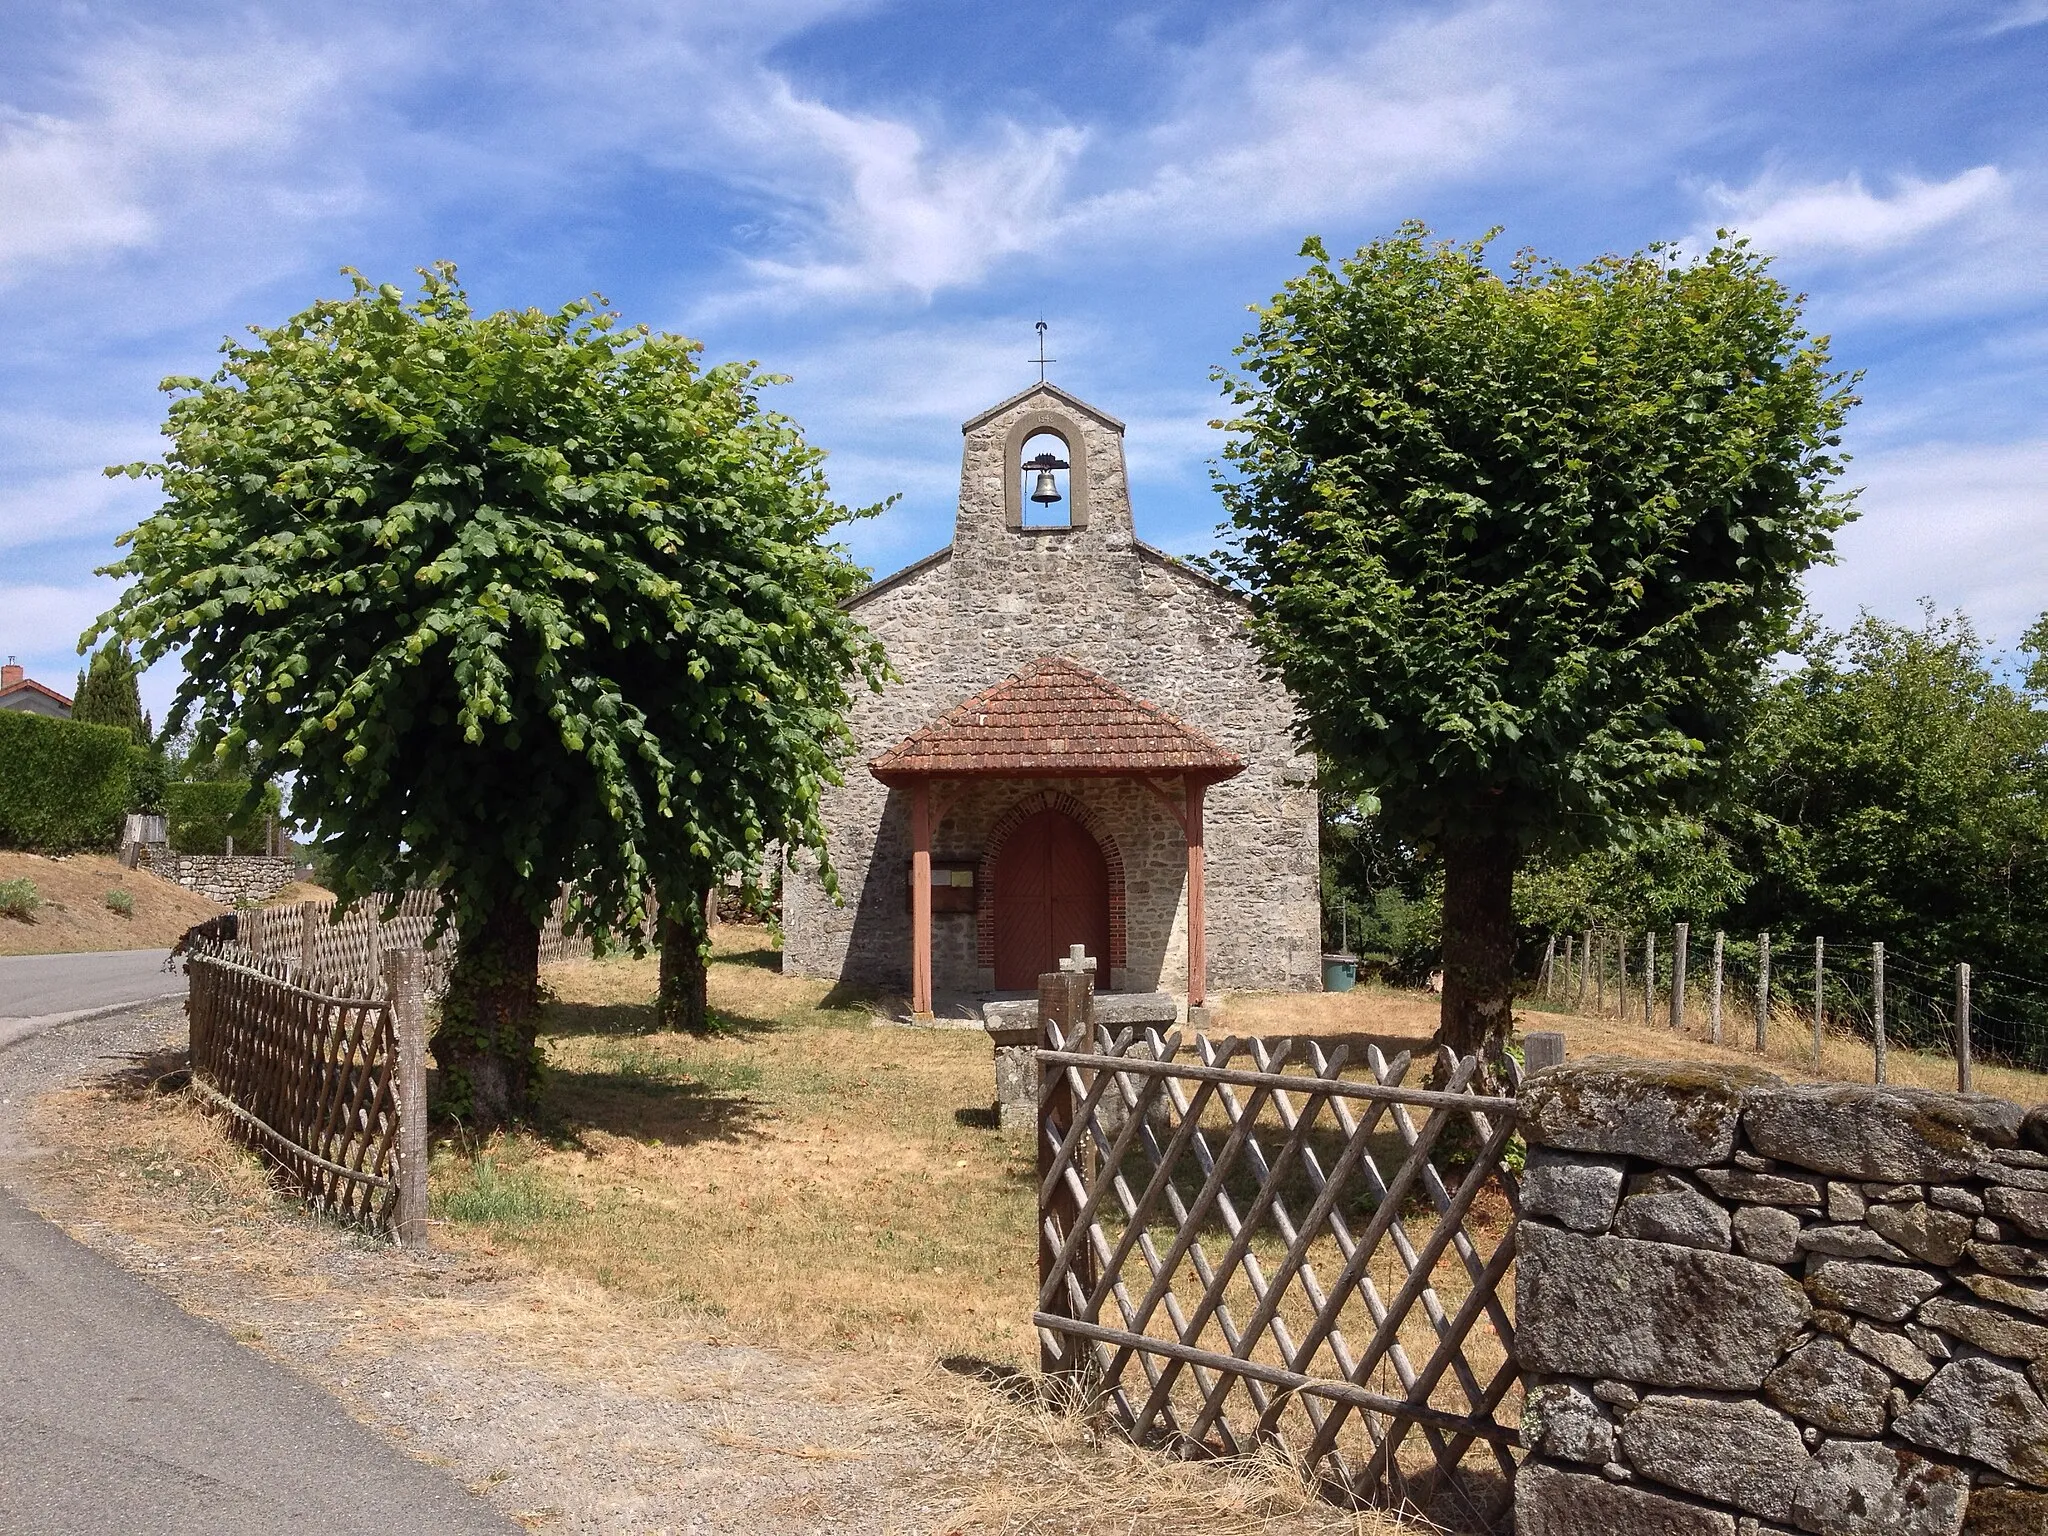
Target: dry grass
pixel 297 891
pixel 804 1179
pixel 74 916
pixel 504 1323
pixel 1399 1019
pixel 811 1182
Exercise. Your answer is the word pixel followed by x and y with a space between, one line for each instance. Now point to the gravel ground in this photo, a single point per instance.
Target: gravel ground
pixel 566 1406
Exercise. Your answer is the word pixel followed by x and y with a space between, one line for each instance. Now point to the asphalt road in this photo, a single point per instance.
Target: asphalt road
pixel 123 1415
pixel 32 986
pixel 119 1413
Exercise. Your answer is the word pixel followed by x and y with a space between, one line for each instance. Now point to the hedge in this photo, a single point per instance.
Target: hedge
pixel 63 784
pixel 203 815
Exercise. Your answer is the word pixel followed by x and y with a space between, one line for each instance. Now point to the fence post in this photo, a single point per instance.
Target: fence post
pixel 1820 994
pixel 1066 998
pixel 1649 977
pixel 1542 1048
pixel 1763 991
pixel 308 916
pixel 1549 964
pixel 1579 991
pixel 1621 976
pixel 1600 970
pixel 1714 996
pixel 1877 1007
pixel 1679 934
pixel 405 984
pixel 1963 1028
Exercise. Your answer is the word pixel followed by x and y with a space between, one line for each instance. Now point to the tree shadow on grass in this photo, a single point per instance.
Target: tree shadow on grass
pixel 655 1098
pixel 626 1019
pixel 159 1069
pixel 759 954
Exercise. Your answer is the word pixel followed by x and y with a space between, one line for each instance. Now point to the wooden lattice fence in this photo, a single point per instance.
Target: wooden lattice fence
pixel 326 1080
pixel 1283 1243
pixel 307 937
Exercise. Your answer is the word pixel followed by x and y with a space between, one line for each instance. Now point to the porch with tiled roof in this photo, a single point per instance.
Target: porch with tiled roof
pixel 1053 719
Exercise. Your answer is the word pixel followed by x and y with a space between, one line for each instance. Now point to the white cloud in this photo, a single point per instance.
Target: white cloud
pixel 935 374
pixel 69 505
pixel 1846 217
pixel 908 218
pixel 1965 524
pixel 2026 13
pixel 1921 250
pixel 1268 136
pixel 41 624
pixel 155 130
pixel 1261 133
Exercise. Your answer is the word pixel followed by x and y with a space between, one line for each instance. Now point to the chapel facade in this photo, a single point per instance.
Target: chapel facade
pixel 1080 748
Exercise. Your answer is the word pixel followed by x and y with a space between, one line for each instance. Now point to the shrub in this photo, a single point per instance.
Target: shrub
pixel 203 816
pixel 122 902
pixel 63 784
pixel 19 899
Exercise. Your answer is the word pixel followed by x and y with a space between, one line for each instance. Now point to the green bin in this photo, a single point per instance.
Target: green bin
pixel 1340 972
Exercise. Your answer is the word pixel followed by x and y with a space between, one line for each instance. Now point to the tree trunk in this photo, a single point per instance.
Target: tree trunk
pixel 680 1004
pixel 486 1043
pixel 1479 949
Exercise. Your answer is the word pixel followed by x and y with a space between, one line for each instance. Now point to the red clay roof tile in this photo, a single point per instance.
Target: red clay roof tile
pixel 1055 718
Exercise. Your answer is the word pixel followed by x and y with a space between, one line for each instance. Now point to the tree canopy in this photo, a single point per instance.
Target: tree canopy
pixel 108 693
pixel 1521 543
pixel 520 599
pixel 1897 788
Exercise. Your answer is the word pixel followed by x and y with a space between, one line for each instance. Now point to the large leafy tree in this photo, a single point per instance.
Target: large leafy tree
pixel 1522 542
pixel 1897 789
pixel 521 599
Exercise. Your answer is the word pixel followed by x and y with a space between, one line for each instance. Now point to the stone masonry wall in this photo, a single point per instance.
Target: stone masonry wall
pixel 231 880
pixel 1743 1306
pixel 998 598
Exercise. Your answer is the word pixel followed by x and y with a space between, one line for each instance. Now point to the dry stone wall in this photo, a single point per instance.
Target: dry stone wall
pixel 1749 1307
pixel 233 880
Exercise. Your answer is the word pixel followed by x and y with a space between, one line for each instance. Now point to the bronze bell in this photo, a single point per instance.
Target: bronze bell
pixel 1046 492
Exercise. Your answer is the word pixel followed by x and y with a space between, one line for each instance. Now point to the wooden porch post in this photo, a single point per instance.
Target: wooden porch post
pixel 1198 905
pixel 920 898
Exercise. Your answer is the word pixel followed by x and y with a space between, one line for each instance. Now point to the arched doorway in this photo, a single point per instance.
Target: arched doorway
pixel 1050 891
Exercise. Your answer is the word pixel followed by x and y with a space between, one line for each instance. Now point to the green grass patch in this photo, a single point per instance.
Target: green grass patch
pixel 487 1194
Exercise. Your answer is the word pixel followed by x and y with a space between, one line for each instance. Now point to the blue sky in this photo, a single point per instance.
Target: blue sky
pixel 879 199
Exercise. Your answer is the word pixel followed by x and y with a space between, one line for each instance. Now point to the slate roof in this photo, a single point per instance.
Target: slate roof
pixel 1053 719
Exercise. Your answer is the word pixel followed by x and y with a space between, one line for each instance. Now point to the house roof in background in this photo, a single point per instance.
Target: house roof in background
pixel 30 685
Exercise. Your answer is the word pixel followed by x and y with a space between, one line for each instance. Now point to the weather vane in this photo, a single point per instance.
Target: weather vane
pixel 1042 359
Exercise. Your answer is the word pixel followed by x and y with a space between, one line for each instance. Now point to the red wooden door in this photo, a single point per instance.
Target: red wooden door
pixel 1051 890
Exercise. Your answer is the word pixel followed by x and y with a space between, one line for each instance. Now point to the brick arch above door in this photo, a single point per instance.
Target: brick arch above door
pixel 984 880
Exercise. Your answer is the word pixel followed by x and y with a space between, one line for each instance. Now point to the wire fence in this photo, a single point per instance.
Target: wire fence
pixel 1773 991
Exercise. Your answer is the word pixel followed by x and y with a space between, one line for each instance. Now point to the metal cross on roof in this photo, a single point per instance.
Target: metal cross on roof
pixel 1042 359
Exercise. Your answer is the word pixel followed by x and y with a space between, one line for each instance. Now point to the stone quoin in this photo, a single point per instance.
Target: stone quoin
pixel 1079 746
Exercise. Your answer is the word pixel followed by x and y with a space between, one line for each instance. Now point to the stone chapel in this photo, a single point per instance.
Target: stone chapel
pixel 1081 748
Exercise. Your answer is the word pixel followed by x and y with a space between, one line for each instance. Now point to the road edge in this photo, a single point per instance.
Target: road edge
pixel 14 1031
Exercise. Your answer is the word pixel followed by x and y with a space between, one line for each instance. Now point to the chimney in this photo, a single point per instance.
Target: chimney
pixel 10 674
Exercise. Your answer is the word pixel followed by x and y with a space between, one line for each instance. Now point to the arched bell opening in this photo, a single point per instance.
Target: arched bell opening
pixel 1045 486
